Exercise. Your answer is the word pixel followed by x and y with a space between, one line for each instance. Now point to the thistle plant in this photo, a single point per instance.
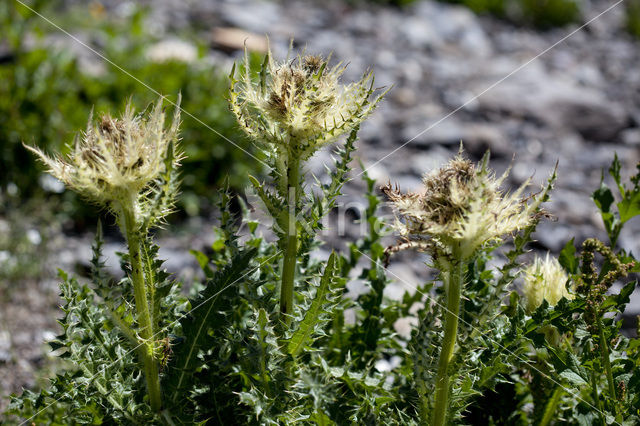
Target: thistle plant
pixel 460 210
pixel 291 110
pixel 128 165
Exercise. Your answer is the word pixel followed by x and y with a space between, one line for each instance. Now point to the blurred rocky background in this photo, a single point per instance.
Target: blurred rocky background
pixel 535 82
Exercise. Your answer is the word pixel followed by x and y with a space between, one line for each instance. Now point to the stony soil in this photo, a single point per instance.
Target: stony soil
pixel 569 95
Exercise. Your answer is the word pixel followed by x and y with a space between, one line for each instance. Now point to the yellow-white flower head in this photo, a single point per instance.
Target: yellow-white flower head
pixel 118 159
pixel 545 279
pixel 460 208
pixel 297 106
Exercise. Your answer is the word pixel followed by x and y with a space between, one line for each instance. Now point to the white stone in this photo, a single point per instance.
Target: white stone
pixel 172 50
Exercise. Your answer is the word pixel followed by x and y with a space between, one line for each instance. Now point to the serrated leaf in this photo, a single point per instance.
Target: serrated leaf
pixel 625 293
pixel 629 207
pixel 603 197
pixel 301 337
pixel 272 203
pixel 568 258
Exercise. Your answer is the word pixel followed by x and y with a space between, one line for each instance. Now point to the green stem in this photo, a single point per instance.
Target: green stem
pixel 151 371
pixel 454 287
pixel 291 242
pixel 604 354
pixel 550 409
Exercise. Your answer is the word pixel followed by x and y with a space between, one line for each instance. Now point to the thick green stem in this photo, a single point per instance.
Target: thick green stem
pixel 604 354
pixel 453 289
pixel 151 371
pixel 291 242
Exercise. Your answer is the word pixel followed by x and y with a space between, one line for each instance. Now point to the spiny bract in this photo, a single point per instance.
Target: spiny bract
pixel 460 208
pixel 117 159
pixel 544 280
pixel 297 106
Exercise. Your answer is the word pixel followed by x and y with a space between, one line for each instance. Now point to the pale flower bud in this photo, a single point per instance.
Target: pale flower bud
pixel 545 279
pixel 117 160
pixel 295 107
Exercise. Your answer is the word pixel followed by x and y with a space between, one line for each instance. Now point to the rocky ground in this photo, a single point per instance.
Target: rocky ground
pixel 533 98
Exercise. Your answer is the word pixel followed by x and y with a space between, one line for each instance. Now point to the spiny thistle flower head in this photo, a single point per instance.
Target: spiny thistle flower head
pixel 460 209
pixel 118 159
pixel 544 279
pixel 299 105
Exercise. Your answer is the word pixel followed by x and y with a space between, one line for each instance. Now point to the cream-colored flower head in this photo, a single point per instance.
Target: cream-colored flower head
pixel 118 159
pixel 545 279
pixel 297 106
pixel 460 208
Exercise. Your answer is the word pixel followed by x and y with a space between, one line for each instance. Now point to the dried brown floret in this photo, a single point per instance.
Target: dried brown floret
pixel 312 63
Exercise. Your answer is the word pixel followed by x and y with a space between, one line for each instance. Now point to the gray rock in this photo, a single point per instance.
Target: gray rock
pixel 355 288
pixel 172 49
pixel 631 136
pixel 436 24
pixel 177 259
pixel 5 346
pixel 111 259
pixel 592 116
pixel 477 138
pixel 448 132
pixel 419 33
pixel 629 242
pixel 408 183
pixel 260 17
pixel 553 236
pixel 480 138
pixel 633 308
pixel 555 100
pixel 425 161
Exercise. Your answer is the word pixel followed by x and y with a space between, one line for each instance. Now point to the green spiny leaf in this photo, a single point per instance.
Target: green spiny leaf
pixel 205 315
pixel 302 336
